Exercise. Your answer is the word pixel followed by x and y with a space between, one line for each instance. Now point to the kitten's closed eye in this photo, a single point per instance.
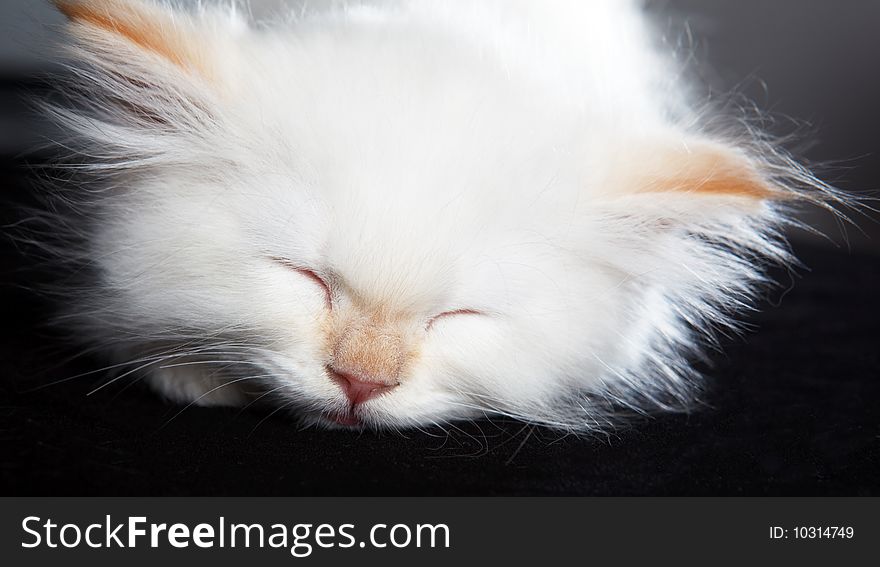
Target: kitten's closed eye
pixel 452 313
pixel 320 281
pixel 311 275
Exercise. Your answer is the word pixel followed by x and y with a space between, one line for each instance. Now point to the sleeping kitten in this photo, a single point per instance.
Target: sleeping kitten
pixel 397 213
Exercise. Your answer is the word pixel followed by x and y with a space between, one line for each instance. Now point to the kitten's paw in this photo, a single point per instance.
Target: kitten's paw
pixel 189 385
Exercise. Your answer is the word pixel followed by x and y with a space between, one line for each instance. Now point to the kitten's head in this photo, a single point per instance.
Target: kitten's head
pixel 383 229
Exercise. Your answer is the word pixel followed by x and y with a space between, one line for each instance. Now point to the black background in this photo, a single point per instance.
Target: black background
pixel 792 408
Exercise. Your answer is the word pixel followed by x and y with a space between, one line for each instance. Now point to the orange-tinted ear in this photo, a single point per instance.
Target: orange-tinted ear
pixel 142 25
pixel 702 169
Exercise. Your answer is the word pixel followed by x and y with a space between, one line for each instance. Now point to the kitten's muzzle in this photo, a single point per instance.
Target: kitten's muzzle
pixel 358 389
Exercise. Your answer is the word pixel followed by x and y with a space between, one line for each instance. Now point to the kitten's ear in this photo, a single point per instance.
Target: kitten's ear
pixel 694 211
pixel 119 30
pixel 699 169
pixel 696 184
pixel 147 65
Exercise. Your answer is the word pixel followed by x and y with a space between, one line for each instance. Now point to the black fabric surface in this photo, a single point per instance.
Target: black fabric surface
pixel 791 409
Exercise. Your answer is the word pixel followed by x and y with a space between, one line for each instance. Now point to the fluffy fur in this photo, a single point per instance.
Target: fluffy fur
pixel 517 208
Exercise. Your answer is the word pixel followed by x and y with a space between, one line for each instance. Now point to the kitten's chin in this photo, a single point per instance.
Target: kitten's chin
pixel 362 417
pixel 343 419
pixel 351 418
pixel 336 417
pixel 354 418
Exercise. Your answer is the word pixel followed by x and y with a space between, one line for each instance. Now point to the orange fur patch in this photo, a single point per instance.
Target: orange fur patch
pixel 714 173
pixel 372 348
pixel 704 169
pixel 147 27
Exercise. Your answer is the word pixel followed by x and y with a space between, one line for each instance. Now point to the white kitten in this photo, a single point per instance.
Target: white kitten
pixel 397 213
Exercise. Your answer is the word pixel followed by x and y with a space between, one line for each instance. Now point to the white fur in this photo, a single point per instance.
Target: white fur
pixel 435 155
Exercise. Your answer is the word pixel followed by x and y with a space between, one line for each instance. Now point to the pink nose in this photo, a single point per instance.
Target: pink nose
pixel 357 389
